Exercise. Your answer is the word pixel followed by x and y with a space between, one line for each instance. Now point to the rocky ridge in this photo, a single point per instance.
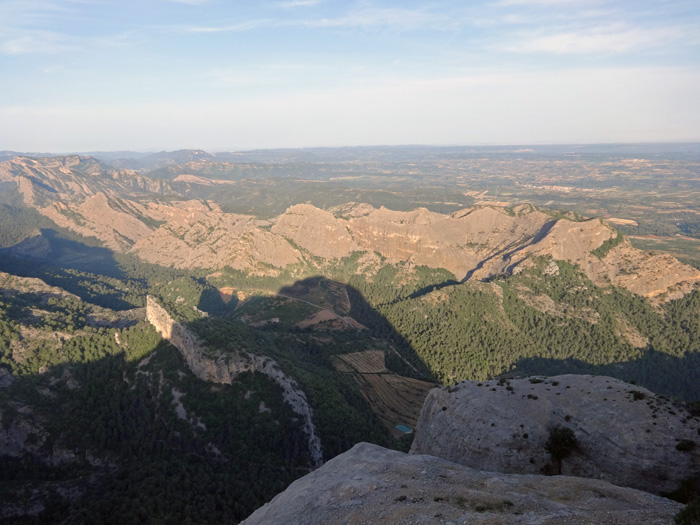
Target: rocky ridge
pixel 126 212
pixel 370 484
pixel 626 434
pixel 223 368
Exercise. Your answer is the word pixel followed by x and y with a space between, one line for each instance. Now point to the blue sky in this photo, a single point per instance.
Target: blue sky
pixel 79 75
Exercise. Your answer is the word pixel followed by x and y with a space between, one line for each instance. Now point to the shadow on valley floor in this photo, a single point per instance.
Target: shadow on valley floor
pixel 362 377
pixel 360 310
pixel 80 266
pixel 136 435
pixel 433 288
pixel 651 371
pixel 312 294
pixel 51 246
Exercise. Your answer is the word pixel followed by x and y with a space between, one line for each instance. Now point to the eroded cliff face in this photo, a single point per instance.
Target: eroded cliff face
pixel 223 368
pixel 626 434
pixel 476 243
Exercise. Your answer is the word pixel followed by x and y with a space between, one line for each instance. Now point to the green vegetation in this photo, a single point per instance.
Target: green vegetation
pixel 477 331
pixel 155 444
pixel 342 415
pixel 98 397
pixel 188 297
pixel 637 395
pixel 602 250
pixel 159 466
pixel 684 249
pixel 685 445
pixel 560 443
pixel 96 394
pixel 689 515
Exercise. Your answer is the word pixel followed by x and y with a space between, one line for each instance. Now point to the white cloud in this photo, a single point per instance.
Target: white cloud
pixel 300 3
pixel 601 39
pixel 506 3
pixel 232 28
pixel 367 18
pixel 39 42
pixel 190 2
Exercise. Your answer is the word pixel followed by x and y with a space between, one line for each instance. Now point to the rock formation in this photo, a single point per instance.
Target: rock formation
pixel 218 367
pixel 370 484
pixel 81 194
pixel 626 434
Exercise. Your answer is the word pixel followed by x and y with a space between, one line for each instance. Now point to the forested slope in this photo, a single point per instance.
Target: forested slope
pixel 540 322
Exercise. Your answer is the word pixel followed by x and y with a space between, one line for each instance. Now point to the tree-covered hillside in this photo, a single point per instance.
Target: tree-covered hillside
pixel 111 426
pixel 544 320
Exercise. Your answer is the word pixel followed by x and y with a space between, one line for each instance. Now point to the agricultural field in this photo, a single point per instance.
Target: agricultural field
pixel 395 399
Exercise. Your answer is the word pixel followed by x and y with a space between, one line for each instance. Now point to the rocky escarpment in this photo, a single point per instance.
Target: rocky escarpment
pixel 626 434
pixel 223 368
pixel 369 484
pixel 81 194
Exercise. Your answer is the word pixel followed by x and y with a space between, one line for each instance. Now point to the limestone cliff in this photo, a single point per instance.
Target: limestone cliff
pixel 223 368
pixel 369 484
pixel 626 434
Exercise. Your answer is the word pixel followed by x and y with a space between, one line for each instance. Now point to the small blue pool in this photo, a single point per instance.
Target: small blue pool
pixel 404 429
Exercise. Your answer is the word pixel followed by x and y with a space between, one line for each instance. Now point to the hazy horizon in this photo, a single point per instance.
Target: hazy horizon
pixel 163 75
pixel 522 148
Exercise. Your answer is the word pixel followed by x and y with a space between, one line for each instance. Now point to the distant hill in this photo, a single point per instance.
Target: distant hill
pixel 153 161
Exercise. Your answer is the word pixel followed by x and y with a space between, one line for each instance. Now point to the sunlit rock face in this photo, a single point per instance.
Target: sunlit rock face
pixel 134 214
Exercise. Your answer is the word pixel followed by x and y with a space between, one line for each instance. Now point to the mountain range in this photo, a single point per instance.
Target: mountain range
pixel 134 214
pixel 324 325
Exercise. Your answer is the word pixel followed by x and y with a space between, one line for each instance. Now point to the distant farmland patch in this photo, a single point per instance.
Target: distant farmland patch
pixel 397 400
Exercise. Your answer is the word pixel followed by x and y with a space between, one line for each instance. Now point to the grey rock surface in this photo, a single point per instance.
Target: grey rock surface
pixel 626 434
pixel 370 484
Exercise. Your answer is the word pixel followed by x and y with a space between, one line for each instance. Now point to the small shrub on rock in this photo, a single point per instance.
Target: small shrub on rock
pixel 561 443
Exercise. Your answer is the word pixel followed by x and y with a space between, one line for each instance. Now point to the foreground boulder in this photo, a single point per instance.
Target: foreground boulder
pixel 370 484
pixel 625 434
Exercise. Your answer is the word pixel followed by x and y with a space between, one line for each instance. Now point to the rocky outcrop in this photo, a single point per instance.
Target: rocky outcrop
pixel 218 367
pixel 317 231
pixel 85 196
pixel 626 434
pixel 461 242
pixel 20 432
pixel 196 234
pixel 369 484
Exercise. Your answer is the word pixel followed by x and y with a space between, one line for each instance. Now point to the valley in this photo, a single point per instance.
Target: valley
pixel 182 322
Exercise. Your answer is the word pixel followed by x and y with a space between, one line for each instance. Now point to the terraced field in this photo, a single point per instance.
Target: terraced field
pixel 367 362
pixel 397 400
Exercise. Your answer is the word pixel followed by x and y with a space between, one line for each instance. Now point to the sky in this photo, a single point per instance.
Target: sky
pixel 220 75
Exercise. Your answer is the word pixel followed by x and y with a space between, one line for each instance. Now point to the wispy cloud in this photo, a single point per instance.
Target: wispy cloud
pixel 368 18
pixel 39 27
pixel 606 39
pixel 190 2
pixel 300 3
pixel 237 27
pixel 506 3
pixel 40 42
